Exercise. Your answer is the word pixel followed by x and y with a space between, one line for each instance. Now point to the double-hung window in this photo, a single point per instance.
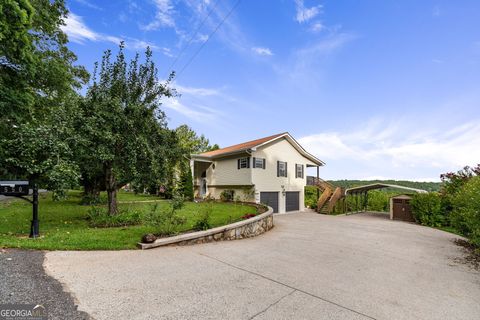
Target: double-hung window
pixel 281 169
pixel 259 163
pixel 299 171
pixel 243 163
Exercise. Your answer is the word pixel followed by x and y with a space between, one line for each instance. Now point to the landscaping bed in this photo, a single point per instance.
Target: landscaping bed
pixel 65 225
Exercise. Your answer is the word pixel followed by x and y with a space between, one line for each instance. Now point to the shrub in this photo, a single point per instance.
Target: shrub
pixel 227 195
pixel 426 208
pixel 466 213
pixel 166 219
pixel 311 197
pixel 203 221
pixel 98 217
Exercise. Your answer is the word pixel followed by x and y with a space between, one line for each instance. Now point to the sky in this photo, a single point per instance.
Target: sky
pixel 376 89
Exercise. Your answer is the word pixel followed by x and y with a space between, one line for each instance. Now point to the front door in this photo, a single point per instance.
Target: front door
pixel 203 187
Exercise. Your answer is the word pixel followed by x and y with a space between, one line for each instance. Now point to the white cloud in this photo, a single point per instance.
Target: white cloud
pixel 307 61
pixel 317 27
pixel 163 16
pixel 262 51
pixel 194 112
pixel 400 149
pixel 196 91
pixel 305 14
pixel 78 32
pixel 88 4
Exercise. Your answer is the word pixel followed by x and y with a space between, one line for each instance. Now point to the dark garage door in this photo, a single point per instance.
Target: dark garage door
pixel 270 199
pixel 292 201
pixel 402 210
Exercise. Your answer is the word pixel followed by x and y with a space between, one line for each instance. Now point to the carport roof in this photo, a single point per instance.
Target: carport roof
pixel 374 186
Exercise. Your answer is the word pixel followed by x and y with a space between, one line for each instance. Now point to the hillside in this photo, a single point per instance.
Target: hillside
pixel 428 186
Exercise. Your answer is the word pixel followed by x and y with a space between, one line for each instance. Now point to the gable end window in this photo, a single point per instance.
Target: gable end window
pixel 299 171
pixel 243 163
pixel 281 169
pixel 259 163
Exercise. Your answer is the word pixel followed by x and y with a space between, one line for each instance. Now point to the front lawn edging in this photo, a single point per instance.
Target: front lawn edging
pixel 243 229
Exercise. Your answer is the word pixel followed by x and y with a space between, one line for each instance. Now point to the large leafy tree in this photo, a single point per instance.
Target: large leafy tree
pixel 38 82
pixel 122 124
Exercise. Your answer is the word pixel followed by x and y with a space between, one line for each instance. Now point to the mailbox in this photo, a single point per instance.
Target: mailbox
pixel 14 188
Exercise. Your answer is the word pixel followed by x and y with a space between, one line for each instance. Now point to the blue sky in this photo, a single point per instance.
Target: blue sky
pixel 376 89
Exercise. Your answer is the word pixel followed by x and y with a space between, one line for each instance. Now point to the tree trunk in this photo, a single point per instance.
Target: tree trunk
pixel 111 185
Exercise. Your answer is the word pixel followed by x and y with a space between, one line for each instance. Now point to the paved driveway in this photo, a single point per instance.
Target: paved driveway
pixel 308 267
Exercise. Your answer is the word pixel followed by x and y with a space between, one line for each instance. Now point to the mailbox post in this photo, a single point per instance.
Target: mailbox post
pixel 20 189
pixel 34 228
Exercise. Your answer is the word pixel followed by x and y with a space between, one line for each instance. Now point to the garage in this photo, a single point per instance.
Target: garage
pixel 270 199
pixel 401 209
pixel 292 201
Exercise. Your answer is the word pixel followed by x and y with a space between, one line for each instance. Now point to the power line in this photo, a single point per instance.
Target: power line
pixel 192 37
pixel 210 36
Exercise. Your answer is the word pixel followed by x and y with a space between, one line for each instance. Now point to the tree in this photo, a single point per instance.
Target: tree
pixel 122 121
pixel 38 82
pixel 189 143
pixel 466 213
pixel 187 184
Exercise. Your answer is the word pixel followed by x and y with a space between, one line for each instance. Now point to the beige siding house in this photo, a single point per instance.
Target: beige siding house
pixel 270 170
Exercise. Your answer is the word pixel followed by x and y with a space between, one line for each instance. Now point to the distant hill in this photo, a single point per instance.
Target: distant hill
pixel 428 186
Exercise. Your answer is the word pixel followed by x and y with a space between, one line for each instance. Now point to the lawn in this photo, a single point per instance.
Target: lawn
pixel 63 225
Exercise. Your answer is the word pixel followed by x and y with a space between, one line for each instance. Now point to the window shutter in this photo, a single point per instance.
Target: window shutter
pixel 253 163
pixel 286 166
pixel 264 162
pixel 248 162
pixel 238 163
pixel 278 168
pixel 296 170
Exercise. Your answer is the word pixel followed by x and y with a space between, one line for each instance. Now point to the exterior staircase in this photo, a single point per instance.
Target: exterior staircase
pixel 329 197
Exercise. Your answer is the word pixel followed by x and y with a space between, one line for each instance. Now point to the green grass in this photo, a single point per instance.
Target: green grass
pixel 63 225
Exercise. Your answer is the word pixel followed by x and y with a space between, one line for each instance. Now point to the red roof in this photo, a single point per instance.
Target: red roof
pixel 240 146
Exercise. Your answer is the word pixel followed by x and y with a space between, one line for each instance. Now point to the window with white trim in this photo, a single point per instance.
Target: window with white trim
pixel 259 163
pixel 243 163
pixel 281 169
pixel 299 171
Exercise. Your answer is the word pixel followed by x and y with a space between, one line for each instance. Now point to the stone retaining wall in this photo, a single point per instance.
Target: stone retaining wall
pixel 243 229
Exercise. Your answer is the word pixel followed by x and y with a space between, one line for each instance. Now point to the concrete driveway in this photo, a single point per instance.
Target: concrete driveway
pixel 308 267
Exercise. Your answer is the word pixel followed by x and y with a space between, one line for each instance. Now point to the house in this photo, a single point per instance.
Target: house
pixel 270 170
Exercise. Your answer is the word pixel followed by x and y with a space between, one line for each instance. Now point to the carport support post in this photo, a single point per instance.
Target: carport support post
pixel 318 177
pixel 356 202
pixel 365 204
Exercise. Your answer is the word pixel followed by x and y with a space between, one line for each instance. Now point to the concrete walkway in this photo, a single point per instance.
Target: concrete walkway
pixel 308 267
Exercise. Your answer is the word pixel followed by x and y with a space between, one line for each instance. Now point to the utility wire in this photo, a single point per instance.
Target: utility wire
pixel 210 36
pixel 192 37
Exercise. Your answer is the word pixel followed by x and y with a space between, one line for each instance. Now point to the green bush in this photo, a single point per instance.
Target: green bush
pixel 165 219
pixel 98 217
pixel 465 216
pixel 203 221
pixel 379 200
pixel 227 195
pixel 427 209
pixel 311 197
